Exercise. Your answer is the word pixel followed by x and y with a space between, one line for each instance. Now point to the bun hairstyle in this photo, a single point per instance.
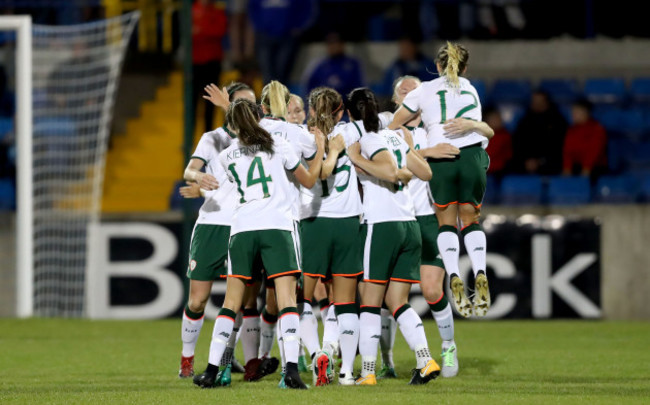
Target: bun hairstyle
pixel 453 60
pixel 326 103
pixel 363 105
pixel 243 118
pixel 275 97
pixel 234 87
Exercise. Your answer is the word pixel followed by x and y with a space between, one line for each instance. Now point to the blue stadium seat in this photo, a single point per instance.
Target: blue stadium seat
pixel 644 188
pixel 569 190
pixel 521 190
pixel 481 89
pixel 616 189
pixel 7 195
pixel 634 125
pixel 605 91
pixel 511 114
pixel 640 90
pixel 611 117
pixel 6 127
pixel 638 156
pixel 561 90
pixel 511 91
pixel 491 191
pixel 617 152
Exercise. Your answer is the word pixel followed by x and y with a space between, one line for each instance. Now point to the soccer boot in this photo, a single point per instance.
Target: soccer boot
pixel 292 378
pixel 302 364
pixel 224 377
pixel 370 379
pixel 252 370
pixel 346 379
pixel 449 362
pixel 461 302
pixel 386 372
pixel 427 373
pixel 268 366
pixel 482 299
pixel 322 368
pixel 187 367
pixel 208 378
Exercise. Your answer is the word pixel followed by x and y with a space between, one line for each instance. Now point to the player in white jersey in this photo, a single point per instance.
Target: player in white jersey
pixel 262 227
pixel 459 183
pixel 392 248
pixel 209 244
pixel 296 110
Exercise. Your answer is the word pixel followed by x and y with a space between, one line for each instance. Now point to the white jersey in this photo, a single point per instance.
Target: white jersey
pixel 418 188
pixel 438 102
pixel 385 118
pixel 384 201
pixel 303 144
pixel 263 183
pixel 338 195
pixel 219 204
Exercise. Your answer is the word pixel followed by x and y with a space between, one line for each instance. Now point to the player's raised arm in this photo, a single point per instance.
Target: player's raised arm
pixel 308 177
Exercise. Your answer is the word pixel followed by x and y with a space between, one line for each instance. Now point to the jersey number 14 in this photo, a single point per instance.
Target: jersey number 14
pixel 251 180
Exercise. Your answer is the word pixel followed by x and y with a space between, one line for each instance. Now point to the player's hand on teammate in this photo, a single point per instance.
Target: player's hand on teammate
pixel 408 137
pixel 337 144
pixel 319 137
pixel 354 152
pixel 216 96
pixel 443 151
pixel 207 181
pixel 191 190
pixel 458 127
pixel 404 175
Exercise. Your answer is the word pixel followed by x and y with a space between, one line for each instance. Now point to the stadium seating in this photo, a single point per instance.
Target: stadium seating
pixel 562 91
pixel 511 91
pixel 616 189
pixel 569 190
pixel 7 195
pixel 521 190
pixel 644 188
pixel 605 90
pixel 640 90
pixel 491 191
pixel 481 88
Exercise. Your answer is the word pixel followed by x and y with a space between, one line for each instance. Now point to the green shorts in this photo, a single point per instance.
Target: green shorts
pixel 208 252
pixel 460 180
pixel 330 247
pixel 277 250
pixel 392 251
pixel 429 232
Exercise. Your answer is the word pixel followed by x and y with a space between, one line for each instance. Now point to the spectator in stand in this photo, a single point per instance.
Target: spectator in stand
pixel 500 147
pixel 410 62
pixel 242 36
pixel 209 23
pixel 585 144
pixel 539 138
pixel 278 26
pixel 338 70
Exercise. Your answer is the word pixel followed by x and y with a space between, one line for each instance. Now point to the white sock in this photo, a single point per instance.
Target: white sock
pixel 267 333
pixel 331 331
pixel 250 334
pixel 283 359
pixel 445 321
pixel 449 247
pixel 476 246
pixel 413 331
pixel 223 329
pixel 190 330
pixel 226 359
pixel 369 333
pixel 323 312
pixel 309 329
pixel 349 338
pixel 290 327
pixel 387 340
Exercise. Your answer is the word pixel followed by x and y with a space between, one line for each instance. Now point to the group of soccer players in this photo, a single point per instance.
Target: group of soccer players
pixel 365 208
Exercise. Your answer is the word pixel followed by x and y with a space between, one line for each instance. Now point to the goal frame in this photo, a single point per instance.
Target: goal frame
pixel 22 25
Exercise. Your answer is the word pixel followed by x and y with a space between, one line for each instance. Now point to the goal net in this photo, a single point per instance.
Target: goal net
pixel 75 73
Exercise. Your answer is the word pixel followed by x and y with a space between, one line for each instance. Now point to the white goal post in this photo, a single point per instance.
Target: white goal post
pixel 22 25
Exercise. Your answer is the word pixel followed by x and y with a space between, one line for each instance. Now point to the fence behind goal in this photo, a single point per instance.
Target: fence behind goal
pixel 76 71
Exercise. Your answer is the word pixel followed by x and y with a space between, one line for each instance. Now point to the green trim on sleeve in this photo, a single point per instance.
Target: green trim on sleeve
pixel 205 162
pixel 408 150
pixel 376 152
pixel 358 129
pixel 225 128
pixel 295 167
pixel 311 157
pixel 409 108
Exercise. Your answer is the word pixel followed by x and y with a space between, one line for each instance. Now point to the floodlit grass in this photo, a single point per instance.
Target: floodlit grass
pixel 47 361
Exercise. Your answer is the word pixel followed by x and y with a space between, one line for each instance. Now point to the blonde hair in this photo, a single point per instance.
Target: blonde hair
pixel 399 82
pixel 453 61
pixel 275 97
pixel 326 103
pixel 298 99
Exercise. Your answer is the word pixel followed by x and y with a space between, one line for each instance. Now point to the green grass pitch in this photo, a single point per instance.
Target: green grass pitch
pixel 48 361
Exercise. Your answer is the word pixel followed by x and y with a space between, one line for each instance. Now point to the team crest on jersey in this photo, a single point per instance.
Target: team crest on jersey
pixel 192 264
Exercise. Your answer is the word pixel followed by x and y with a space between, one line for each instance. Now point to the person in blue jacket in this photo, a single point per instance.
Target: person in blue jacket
pixel 410 62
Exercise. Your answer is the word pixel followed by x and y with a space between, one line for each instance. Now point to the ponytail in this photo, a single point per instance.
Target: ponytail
pixel 275 97
pixel 326 104
pixel 363 105
pixel 453 60
pixel 242 118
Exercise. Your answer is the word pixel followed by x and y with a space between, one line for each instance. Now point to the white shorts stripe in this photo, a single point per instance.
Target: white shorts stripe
pixel 296 245
pixel 366 253
pixel 229 262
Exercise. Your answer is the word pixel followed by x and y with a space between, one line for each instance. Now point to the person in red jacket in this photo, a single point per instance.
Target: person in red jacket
pixel 500 147
pixel 209 24
pixel 585 144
